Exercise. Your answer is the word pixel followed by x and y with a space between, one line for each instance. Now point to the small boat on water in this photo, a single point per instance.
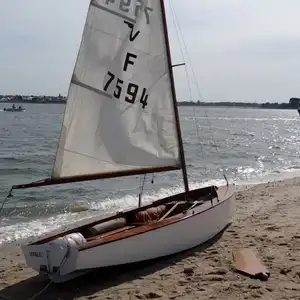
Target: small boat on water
pixel 14 108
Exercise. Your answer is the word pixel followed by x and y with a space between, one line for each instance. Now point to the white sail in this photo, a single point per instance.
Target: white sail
pixel 119 114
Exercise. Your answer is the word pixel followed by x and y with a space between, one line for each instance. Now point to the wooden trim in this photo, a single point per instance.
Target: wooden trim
pixel 176 114
pixel 198 193
pixel 53 181
pixel 133 232
pixel 169 211
pixel 154 226
pixel 177 65
pixel 106 234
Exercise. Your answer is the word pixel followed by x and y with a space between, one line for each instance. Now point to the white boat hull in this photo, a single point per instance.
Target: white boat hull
pixel 64 254
pixel 161 242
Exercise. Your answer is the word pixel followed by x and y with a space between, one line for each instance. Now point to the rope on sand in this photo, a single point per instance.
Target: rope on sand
pixel 41 291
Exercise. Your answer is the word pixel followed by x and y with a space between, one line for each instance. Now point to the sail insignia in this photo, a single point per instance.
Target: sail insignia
pixel 119 115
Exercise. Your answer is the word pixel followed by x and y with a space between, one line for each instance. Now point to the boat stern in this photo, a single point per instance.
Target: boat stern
pixel 58 256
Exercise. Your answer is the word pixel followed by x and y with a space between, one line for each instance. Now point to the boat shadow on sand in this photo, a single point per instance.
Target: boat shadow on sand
pixel 98 280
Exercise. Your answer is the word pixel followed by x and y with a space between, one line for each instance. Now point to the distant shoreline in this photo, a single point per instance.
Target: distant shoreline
pixel 266 105
pixel 33 102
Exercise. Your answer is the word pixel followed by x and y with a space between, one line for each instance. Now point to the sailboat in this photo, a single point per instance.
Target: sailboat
pixel 121 119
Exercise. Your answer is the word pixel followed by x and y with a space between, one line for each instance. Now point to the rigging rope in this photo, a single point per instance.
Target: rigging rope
pixel 41 291
pixel 142 184
pixel 177 30
pixel 180 34
pixel 152 180
pixel 6 199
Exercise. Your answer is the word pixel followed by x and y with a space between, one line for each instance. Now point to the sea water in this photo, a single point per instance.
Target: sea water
pixel 248 145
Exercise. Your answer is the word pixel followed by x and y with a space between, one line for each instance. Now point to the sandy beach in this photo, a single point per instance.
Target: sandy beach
pixel 267 220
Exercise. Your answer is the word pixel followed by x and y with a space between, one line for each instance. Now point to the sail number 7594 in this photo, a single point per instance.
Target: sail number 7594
pixel 132 90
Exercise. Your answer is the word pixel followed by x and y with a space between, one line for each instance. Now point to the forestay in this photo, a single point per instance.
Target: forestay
pixel 119 114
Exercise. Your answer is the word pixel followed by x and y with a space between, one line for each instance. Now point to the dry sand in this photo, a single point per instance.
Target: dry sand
pixel 267 219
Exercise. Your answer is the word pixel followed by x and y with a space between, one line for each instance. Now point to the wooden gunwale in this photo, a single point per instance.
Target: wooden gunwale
pixel 193 194
pixel 154 226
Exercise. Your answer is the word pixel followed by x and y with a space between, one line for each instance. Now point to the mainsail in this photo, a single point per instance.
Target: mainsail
pixel 120 113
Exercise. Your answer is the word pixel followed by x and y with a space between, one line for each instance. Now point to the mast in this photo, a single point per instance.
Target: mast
pixel 178 129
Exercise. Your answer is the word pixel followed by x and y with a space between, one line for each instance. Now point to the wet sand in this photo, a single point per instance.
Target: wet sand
pixel 267 219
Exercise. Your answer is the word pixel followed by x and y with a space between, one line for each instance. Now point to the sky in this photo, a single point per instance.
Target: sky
pixel 241 50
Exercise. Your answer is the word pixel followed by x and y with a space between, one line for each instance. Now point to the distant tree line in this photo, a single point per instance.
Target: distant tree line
pixel 32 99
pixel 293 103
